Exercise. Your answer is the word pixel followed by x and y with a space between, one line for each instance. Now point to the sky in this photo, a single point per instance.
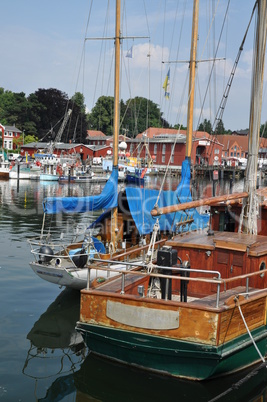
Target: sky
pixel 42 45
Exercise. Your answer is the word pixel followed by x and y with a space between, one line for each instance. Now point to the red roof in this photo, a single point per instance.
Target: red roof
pixel 229 140
pixel 155 131
pixel 95 133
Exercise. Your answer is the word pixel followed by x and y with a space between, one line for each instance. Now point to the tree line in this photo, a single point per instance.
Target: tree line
pixel 40 115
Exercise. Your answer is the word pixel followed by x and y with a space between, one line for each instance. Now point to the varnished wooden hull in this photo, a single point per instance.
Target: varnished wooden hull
pixel 191 340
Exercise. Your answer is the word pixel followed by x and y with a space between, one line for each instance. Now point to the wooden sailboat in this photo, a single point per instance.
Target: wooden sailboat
pixel 200 311
pixel 123 230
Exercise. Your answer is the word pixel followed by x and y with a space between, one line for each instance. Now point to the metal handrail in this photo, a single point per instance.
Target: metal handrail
pixel 218 280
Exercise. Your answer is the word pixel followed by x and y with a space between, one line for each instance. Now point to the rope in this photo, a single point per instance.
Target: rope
pixel 251 337
pixel 151 248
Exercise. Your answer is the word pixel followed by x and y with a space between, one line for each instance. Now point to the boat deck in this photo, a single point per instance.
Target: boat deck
pixel 255 245
pixel 227 297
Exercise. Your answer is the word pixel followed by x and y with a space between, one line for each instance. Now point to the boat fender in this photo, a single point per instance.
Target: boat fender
pixel 80 258
pixel 46 254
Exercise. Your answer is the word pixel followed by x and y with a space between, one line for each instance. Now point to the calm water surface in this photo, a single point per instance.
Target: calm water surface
pixel 42 357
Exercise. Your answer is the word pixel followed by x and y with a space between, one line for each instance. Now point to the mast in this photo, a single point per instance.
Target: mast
pixel 116 123
pixel 249 214
pixel 191 94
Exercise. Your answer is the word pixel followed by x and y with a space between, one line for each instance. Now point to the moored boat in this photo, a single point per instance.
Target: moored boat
pixel 123 230
pixel 4 169
pixel 199 310
pixel 25 171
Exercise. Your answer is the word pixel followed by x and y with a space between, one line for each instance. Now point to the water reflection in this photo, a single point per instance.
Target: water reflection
pixel 58 364
pixel 56 349
pixel 123 383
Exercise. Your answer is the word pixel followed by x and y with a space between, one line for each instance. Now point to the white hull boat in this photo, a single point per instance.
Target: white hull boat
pixel 59 264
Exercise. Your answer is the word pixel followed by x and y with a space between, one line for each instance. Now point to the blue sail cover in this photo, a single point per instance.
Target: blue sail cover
pixel 107 199
pixel 141 201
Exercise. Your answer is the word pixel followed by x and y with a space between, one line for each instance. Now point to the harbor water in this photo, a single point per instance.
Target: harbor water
pixel 42 357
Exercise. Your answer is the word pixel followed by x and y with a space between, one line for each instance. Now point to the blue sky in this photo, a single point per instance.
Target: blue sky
pixel 41 46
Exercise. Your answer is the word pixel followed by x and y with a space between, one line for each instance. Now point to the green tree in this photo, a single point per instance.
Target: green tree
pixel 263 130
pixel 54 106
pixel 179 126
pixel 205 126
pixel 220 128
pixel 142 113
pixel 77 130
pixel 30 138
pixel 101 116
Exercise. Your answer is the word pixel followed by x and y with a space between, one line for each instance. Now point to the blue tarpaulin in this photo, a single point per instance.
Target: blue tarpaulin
pixel 107 199
pixel 141 201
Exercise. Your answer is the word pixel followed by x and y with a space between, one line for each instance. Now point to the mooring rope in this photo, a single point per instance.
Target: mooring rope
pixel 248 331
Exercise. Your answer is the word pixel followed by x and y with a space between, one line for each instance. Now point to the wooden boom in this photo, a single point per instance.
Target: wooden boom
pixel 198 203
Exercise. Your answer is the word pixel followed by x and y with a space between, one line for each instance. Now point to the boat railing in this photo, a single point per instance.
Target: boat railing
pixel 183 275
pixel 44 250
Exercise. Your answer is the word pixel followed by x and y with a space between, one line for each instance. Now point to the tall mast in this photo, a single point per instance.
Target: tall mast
pixel 116 123
pixel 249 214
pixel 193 55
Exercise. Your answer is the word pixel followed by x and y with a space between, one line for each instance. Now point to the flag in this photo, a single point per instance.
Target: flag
pixel 130 53
pixel 166 85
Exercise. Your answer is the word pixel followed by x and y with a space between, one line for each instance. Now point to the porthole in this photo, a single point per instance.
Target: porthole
pixel 262 268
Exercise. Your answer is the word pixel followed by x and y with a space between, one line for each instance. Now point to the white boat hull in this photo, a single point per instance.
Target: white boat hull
pixel 24 175
pixel 70 277
pixel 48 177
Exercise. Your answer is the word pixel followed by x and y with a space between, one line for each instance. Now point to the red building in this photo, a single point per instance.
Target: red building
pixel 86 152
pixel 167 144
pixel 159 142
pixel 9 134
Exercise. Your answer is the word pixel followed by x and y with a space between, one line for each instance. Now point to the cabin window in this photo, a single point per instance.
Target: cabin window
pixel 262 268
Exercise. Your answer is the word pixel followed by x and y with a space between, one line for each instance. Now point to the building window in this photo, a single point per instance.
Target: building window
pixel 217 151
pixel 231 153
pixel 163 149
pixel 131 148
pixel 163 159
pixel 225 153
pixel 155 149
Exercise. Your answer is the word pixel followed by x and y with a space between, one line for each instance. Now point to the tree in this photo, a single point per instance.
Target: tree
pixel 101 116
pixel 136 115
pixel 205 126
pixel 142 113
pixel 179 126
pixel 77 128
pixel 220 128
pixel 30 138
pixel 54 106
pixel 263 130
